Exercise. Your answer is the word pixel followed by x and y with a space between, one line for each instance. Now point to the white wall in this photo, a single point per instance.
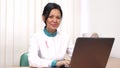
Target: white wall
pixel 104 18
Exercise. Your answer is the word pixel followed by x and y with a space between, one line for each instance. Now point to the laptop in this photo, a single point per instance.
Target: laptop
pixel 91 52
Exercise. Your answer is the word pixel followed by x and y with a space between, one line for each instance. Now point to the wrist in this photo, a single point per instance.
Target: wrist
pixel 54 62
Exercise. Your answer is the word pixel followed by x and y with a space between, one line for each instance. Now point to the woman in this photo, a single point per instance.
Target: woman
pixel 49 47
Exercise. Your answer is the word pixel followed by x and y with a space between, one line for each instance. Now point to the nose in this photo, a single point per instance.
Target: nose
pixel 54 19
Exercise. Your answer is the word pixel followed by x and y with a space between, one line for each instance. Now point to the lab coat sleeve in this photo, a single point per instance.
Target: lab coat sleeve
pixel 34 59
pixel 70 48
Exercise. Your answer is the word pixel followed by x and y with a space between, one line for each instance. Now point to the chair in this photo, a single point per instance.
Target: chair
pixel 24 60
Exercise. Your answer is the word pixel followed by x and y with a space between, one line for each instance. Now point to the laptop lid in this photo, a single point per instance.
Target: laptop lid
pixel 91 52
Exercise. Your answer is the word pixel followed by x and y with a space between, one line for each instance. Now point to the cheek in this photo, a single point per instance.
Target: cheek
pixel 59 21
pixel 48 21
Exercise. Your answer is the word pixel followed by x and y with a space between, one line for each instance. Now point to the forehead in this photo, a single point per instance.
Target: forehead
pixel 55 12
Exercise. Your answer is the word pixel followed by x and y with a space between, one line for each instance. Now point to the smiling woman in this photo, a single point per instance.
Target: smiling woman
pixel 19 19
pixel 49 46
pixel 52 17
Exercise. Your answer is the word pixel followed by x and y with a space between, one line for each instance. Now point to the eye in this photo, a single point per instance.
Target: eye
pixel 50 16
pixel 58 17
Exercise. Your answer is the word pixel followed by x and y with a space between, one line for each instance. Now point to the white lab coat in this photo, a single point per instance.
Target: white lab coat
pixel 43 49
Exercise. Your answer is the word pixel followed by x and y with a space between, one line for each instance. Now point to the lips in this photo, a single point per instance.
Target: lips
pixel 54 25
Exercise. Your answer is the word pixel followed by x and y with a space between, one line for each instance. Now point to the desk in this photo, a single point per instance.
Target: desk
pixel 18 67
pixel 32 67
pixel 112 63
pixel 39 67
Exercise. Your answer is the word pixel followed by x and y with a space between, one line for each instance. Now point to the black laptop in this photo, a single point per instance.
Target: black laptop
pixel 91 52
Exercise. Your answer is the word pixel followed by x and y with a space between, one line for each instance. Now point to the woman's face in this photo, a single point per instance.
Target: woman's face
pixel 53 20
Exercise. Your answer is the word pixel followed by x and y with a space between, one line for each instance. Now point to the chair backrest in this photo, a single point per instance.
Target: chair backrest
pixel 24 60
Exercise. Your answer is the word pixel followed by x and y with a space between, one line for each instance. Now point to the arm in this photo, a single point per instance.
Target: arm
pixel 70 49
pixel 67 57
pixel 34 59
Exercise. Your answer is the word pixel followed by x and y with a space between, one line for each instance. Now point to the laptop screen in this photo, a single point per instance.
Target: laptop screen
pixel 91 52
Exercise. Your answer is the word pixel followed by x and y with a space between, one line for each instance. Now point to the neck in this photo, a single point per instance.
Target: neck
pixel 50 33
pixel 50 30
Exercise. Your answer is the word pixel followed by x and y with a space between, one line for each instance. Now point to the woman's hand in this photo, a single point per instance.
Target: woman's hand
pixel 63 62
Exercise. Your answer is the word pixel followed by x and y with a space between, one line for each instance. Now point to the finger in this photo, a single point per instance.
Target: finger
pixel 67 62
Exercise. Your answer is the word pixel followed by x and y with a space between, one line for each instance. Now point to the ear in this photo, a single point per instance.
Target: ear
pixel 43 18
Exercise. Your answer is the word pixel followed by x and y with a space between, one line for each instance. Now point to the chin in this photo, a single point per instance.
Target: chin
pixel 54 27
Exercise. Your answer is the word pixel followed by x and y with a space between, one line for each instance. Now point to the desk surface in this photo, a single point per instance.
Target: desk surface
pixel 32 67
pixel 39 67
pixel 112 63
